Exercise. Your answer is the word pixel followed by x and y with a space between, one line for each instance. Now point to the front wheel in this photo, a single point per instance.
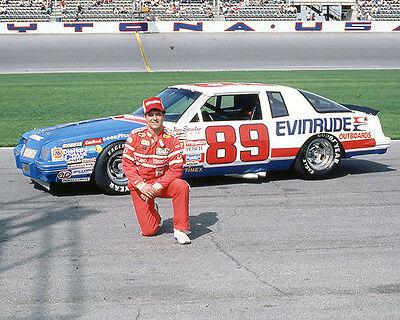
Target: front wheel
pixel 318 157
pixel 108 173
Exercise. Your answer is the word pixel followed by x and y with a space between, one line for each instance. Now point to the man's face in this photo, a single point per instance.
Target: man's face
pixel 154 119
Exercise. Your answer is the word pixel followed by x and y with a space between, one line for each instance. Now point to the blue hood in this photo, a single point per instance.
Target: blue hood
pixel 88 129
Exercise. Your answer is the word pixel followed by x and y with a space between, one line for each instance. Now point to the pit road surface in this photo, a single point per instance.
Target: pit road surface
pixel 189 51
pixel 282 248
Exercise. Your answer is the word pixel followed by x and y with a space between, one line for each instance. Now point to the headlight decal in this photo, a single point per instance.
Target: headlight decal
pixel 29 153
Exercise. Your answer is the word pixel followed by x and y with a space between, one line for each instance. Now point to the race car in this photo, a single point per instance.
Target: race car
pixel 245 129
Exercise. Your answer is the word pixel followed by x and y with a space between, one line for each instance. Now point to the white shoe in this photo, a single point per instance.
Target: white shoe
pixel 181 237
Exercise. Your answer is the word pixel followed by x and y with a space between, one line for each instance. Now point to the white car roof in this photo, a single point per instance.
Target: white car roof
pixel 230 87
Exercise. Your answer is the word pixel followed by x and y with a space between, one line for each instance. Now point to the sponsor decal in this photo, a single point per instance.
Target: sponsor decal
pixel 64 174
pixel 57 154
pixel 191 143
pixel 355 135
pixel 194 149
pixel 359 123
pixel 35 137
pixel 162 151
pixel 82 179
pixel 159 172
pixel 318 125
pixel 95 149
pixel 72 155
pixel 186 129
pixel 145 143
pixel 141 134
pixel 82 171
pixel 190 133
pixel 92 142
pixel 159 161
pixel 194 159
pixel 119 136
pixel 87 163
pixel 154 101
pixel 194 169
pixel 72 145
pixel 166 136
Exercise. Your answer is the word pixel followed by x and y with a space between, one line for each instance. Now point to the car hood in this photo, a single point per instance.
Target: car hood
pixel 96 128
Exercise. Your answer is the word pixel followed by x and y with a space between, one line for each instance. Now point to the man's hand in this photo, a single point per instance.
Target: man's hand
pixel 147 190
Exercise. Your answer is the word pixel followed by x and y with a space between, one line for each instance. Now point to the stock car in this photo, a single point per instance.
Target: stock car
pixel 244 129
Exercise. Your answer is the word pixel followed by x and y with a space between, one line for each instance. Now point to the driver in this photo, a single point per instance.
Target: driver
pixel 152 161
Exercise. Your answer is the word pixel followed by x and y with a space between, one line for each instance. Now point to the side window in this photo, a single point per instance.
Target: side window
pixel 195 118
pixel 227 102
pixel 240 107
pixel 321 104
pixel 277 104
pixel 208 110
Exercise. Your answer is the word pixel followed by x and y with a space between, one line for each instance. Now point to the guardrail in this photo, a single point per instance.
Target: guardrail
pixel 198 26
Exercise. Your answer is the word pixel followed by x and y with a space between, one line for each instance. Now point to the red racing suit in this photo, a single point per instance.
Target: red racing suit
pixel 156 161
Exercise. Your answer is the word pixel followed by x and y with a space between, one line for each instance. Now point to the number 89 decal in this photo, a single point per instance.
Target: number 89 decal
pixel 222 149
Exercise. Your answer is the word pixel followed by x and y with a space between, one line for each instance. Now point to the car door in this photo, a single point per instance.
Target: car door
pixel 227 135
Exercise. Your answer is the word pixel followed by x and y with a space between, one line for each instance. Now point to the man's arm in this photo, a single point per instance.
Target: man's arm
pixel 132 172
pixel 128 163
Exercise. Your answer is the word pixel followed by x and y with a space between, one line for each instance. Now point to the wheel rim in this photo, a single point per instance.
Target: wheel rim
pixel 114 169
pixel 320 154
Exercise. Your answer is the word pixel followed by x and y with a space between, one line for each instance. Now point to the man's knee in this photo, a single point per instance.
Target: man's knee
pixel 180 185
pixel 149 232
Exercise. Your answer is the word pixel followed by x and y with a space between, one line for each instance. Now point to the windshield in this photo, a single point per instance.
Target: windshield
pixel 175 101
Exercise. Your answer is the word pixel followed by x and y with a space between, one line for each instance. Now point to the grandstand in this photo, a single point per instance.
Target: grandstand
pixel 125 10
pixel 379 10
pixel 196 10
pixel 128 10
pixel 24 10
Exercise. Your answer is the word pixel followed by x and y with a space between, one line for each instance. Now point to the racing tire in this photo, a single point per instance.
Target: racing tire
pixel 108 173
pixel 318 157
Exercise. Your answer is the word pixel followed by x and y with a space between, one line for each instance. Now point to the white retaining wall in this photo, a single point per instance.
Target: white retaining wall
pixel 198 26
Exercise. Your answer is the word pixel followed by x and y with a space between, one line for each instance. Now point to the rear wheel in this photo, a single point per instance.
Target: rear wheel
pixel 108 173
pixel 318 157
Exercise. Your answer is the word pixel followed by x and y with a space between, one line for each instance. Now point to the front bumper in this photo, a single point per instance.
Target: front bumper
pixel 36 169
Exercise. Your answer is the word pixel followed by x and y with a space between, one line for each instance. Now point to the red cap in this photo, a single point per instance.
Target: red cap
pixel 153 103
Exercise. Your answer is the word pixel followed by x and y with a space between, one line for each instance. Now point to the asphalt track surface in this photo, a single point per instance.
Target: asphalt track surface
pixel 281 248
pixel 189 51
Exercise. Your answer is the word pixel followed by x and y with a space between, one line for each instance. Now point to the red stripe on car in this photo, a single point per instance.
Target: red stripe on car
pixel 284 152
pixel 130 118
pixel 359 144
